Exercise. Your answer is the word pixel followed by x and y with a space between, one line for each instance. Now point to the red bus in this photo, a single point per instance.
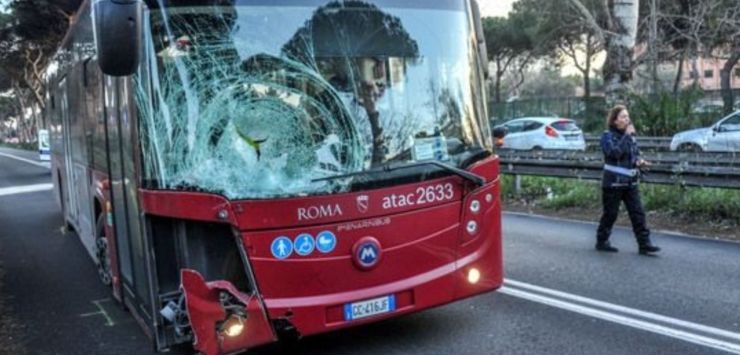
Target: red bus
pixel 253 170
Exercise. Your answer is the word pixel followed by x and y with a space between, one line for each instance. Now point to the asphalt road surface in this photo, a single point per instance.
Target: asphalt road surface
pixel 560 296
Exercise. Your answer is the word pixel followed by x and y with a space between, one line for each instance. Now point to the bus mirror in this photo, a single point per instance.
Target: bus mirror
pixel 117 30
pixel 480 36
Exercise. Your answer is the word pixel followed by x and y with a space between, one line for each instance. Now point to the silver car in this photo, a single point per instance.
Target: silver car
pixel 723 136
pixel 534 133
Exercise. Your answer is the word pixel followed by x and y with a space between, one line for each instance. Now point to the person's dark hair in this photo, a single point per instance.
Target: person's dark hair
pixel 613 113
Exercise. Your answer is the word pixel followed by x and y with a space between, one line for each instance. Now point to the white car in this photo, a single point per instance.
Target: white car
pixel 534 133
pixel 723 136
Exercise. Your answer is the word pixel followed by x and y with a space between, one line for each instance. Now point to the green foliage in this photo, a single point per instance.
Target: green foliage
pixel 22 146
pixel 666 114
pixel 574 193
pixel 697 203
pixel 694 203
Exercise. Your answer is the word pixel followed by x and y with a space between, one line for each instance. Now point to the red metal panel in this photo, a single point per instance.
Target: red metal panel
pixel 205 312
pixel 427 250
pixel 305 211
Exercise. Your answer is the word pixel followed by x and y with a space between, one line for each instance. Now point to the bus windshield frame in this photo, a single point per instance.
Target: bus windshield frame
pixel 270 101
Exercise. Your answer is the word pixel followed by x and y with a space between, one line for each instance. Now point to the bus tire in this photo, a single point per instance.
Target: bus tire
pixel 102 252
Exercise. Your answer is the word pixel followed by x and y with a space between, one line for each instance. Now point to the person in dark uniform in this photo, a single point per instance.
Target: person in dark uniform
pixel 620 181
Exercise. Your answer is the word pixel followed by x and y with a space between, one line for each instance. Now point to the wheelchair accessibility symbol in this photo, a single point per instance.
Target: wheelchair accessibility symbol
pixel 304 244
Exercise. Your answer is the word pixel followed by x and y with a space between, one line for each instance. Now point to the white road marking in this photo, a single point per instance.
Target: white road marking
pixel 37 163
pixel 5 191
pixel 627 310
pixel 108 320
pixel 630 321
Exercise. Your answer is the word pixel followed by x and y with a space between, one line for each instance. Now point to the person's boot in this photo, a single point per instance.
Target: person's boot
pixel 645 246
pixel 605 246
pixel 648 248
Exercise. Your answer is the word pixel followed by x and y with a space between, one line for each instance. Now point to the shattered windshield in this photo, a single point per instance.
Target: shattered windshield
pixel 272 101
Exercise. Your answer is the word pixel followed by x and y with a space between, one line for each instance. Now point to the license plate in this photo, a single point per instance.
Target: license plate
pixel 571 138
pixel 364 309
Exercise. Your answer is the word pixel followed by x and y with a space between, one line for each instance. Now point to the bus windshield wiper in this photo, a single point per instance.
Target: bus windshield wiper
pixel 476 179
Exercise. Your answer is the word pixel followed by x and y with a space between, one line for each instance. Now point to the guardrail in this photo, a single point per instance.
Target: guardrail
pixel 689 169
pixel 645 143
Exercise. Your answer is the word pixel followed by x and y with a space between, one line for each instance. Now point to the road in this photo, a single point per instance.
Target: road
pixel 560 296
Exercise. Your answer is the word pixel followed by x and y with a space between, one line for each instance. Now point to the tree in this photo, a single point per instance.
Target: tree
pixel 708 28
pixel 508 41
pixel 561 32
pixel 29 35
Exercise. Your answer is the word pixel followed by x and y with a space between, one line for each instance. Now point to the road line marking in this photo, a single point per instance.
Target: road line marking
pixel 624 320
pixel 626 310
pixel 109 321
pixel 5 191
pixel 41 164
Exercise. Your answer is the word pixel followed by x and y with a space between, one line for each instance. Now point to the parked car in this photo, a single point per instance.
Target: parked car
pixel 723 136
pixel 533 133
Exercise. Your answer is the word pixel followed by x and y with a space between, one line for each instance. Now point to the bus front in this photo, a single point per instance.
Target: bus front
pixel 319 165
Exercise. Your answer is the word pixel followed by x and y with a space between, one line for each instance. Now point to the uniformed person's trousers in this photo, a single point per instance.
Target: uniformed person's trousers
pixel 611 199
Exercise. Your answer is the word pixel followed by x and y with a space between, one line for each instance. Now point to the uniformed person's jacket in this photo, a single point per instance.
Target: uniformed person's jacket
pixel 620 159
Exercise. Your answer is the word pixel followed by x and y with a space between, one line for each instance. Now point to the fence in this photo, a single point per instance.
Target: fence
pixel 658 144
pixel 658 115
pixel 689 169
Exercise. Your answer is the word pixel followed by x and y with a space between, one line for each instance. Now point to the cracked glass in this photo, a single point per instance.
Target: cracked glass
pixel 262 101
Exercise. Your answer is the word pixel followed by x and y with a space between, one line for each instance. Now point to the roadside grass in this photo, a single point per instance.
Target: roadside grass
pixel 22 146
pixel 709 205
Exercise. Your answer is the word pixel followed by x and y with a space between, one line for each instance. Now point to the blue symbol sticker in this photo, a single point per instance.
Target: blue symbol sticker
pixel 304 244
pixel 368 253
pixel 326 242
pixel 281 247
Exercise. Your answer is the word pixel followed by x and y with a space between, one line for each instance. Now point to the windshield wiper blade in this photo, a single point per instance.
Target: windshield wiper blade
pixel 474 178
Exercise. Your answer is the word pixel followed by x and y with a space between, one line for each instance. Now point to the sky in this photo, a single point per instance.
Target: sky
pixel 495 7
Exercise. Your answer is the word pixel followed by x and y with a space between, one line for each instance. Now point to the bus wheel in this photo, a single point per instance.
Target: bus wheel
pixel 102 252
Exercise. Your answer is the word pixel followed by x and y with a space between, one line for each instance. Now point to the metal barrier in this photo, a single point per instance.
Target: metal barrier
pixel 689 169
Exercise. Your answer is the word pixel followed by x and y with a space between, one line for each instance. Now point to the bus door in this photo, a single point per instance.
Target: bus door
pixel 132 252
pixel 69 197
pixel 80 172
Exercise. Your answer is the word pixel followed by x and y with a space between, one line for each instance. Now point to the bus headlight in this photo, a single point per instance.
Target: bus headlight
pixel 472 227
pixel 233 326
pixel 475 206
pixel 473 275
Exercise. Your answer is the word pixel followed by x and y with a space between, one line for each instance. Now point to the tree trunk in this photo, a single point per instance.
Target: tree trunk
pixel 679 73
pixel 587 79
pixel 725 79
pixel 587 70
pixel 497 85
pixel 619 50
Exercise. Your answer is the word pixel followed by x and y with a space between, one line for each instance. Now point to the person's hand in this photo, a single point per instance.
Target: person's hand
pixel 630 130
pixel 643 163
